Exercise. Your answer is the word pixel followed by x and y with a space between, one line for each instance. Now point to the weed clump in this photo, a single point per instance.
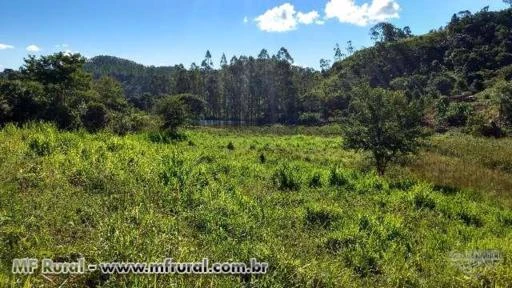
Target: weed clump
pixel 230 146
pixel 336 243
pixel 405 184
pixel 365 224
pixel 315 181
pixel 506 219
pixel 286 179
pixel 322 217
pixel 470 219
pixel 263 159
pixel 41 147
pixel 366 265
pixel 423 201
pixel 337 178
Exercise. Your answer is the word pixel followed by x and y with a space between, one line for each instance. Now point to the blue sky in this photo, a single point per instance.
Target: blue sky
pixel 168 32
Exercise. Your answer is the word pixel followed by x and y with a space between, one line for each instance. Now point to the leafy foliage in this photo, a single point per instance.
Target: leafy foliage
pixel 383 123
pixel 96 117
pixel 173 113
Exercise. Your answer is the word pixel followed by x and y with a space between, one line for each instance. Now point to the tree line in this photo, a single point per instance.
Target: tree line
pixel 261 90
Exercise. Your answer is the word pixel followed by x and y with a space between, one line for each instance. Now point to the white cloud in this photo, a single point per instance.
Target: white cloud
pixel 1 68
pixel 33 48
pixel 284 18
pixel 307 18
pixel 5 46
pixel 347 11
pixel 246 20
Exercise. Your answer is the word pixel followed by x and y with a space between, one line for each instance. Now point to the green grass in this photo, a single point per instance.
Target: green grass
pixel 458 161
pixel 307 209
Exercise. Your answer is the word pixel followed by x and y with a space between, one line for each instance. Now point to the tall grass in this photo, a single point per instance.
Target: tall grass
pixel 458 161
pixel 109 198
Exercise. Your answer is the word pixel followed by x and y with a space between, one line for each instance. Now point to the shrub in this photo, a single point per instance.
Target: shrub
pixel 310 119
pixel 96 117
pixel 457 114
pixel 165 137
pixel 230 146
pixel 123 124
pixel 505 101
pixel 443 85
pixel 173 113
pixel 194 105
pixel 478 126
pixel 41 146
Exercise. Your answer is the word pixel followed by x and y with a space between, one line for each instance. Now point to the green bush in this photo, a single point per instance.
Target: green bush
pixel 41 146
pixel 173 113
pixel 310 119
pixel 478 126
pixel 123 124
pixel 458 114
pixel 96 117
pixel 505 102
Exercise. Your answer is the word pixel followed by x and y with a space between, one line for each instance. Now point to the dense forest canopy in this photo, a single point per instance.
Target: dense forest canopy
pixel 461 70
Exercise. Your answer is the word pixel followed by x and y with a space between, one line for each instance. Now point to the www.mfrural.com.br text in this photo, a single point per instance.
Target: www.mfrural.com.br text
pixel 167 266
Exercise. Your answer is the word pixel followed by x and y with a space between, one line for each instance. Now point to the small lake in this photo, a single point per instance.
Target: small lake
pixel 225 123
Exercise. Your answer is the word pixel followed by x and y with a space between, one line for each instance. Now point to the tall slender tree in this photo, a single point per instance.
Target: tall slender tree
pixel 338 55
pixel 223 61
pixel 207 63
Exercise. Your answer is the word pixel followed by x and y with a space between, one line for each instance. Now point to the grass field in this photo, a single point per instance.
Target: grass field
pixel 313 211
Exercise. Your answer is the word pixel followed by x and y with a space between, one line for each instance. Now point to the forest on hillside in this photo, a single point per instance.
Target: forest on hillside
pixel 461 73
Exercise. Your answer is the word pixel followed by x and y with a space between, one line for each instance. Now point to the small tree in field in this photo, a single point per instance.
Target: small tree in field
pixel 173 113
pixel 383 123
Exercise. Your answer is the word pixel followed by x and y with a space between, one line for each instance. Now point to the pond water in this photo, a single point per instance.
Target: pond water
pixel 225 123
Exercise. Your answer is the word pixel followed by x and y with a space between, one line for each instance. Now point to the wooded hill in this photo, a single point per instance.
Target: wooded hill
pixel 461 73
pixel 471 54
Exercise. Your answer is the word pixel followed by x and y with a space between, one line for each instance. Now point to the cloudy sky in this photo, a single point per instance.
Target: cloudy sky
pixel 167 32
